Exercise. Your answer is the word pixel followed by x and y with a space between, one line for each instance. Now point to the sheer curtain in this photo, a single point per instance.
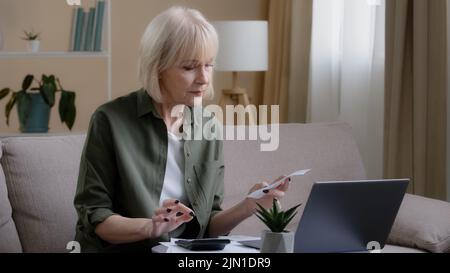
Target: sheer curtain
pixel 347 72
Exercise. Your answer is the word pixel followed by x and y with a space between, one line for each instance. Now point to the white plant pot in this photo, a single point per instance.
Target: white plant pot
pixel 277 242
pixel 33 46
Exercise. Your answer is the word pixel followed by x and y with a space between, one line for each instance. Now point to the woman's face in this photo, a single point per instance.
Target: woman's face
pixel 185 81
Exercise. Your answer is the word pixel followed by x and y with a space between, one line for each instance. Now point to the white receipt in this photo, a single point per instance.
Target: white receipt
pixel 259 193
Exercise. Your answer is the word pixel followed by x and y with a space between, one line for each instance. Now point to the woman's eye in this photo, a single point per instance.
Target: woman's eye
pixel 192 67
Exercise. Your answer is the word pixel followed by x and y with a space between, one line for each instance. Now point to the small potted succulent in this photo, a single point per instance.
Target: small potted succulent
pixel 277 239
pixel 33 40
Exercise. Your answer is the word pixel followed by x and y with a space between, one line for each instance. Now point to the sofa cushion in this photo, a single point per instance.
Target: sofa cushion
pixel 41 176
pixel 422 223
pixel 400 249
pixel 328 149
pixel 8 234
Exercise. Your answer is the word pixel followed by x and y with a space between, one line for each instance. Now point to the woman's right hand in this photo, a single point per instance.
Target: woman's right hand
pixel 170 216
pixel 266 201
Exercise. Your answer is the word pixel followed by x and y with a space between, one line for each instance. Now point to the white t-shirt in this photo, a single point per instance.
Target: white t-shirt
pixel 173 187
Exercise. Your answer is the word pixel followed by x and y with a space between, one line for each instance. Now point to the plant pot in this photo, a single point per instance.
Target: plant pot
pixel 37 121
pixel 277 242
pixel 33 45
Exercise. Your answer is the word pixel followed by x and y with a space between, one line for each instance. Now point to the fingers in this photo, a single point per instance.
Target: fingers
pixel 168 207
pixel 175 217
pixel 173 204
pixel 258 186
pixel 163 210
pixel 285 185
pixel 159 218
pixel 261 185
pixel 170 202
pixel 172 218
pixel 181 217
pixel 279 178
pixel 173 210
pixel 275 193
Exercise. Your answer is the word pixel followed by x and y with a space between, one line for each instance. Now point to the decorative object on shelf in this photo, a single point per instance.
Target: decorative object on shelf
pixel 243 47
pixel 33 40
pixel 33 104
pixel 277 239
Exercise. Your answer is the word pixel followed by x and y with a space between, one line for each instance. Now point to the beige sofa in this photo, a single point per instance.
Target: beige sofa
pixel 38 177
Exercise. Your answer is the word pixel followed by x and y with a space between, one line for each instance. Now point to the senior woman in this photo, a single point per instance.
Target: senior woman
pixel 139 182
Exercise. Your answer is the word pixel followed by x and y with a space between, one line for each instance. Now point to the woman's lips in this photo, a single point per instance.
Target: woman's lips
pixel 196 93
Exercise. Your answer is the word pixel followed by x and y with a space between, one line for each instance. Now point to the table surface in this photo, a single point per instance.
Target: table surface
pixel 237 248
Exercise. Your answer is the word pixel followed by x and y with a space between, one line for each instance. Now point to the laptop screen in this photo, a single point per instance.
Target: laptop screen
pixel 347 216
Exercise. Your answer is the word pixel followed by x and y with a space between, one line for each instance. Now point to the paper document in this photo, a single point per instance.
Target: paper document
pixel 259 193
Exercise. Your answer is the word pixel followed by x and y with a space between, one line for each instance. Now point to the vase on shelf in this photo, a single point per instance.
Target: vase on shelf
pixel 33 45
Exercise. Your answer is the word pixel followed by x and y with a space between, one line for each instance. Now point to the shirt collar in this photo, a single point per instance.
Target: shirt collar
pixel 146 105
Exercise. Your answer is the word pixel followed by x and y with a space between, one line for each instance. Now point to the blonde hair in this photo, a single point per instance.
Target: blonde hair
pixel 174 35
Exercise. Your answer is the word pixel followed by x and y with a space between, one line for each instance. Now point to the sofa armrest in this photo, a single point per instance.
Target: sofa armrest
pixel 422 223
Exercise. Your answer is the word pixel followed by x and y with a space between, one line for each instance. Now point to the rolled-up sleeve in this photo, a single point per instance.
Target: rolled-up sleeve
pixel 219 192
pixel 95 189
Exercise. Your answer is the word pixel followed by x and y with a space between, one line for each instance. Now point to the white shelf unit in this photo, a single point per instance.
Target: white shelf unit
pixel 106 53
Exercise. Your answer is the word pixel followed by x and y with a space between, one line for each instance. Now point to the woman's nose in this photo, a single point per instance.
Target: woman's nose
pixel 202 75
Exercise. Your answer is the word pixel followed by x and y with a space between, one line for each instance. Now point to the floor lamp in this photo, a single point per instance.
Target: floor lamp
pixel 243 47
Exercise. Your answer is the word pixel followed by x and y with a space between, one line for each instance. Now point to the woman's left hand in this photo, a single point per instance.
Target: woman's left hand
pixel 267 200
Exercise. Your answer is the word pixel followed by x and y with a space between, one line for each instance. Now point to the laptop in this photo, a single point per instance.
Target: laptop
pixel 347 216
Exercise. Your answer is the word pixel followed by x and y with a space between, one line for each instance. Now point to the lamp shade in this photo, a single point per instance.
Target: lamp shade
pixel 243 45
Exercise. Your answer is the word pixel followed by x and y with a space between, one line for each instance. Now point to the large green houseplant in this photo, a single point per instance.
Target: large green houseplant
pixel 277 239
pixel 34 103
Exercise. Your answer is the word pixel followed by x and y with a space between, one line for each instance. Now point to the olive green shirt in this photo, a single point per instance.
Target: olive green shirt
pixel 123 166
